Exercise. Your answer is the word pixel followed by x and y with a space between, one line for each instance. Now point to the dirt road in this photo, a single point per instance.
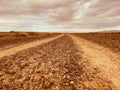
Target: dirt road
pixel 63 63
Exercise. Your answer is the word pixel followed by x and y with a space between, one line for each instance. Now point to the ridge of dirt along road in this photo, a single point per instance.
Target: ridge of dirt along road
pixel 56 65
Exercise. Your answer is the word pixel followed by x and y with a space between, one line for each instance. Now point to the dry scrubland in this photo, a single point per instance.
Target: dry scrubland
pixel 108 40
pixel 57 65
pixel 11 39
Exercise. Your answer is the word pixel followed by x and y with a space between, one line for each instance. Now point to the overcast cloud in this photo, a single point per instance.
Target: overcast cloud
pixel 59 15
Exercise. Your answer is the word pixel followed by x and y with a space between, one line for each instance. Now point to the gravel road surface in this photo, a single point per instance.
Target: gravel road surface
pixel 56 65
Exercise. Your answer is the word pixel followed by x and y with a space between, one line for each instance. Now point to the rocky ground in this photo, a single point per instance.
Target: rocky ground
pixel 57 65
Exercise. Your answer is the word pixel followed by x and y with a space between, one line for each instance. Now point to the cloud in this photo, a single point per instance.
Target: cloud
pixel 102 7
pixel 64 13
pixel 31 6
pixel 49 3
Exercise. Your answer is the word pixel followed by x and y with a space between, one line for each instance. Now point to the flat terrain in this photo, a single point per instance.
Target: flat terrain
pixel 61 62
pixel 13 39
pixel 107 40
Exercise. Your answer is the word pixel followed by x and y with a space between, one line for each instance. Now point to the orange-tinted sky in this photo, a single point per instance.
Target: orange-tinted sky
pixel 60 15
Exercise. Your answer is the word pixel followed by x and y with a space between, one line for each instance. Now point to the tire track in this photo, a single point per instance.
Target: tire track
pixel 26 46
pixel 56 65
pixel 102 58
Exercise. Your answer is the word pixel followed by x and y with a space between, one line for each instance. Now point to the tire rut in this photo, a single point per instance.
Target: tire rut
pixel 26 46
pixel 100 57
pixel 57 65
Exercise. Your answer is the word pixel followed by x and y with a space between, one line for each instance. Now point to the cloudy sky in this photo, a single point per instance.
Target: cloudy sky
pixel 59 15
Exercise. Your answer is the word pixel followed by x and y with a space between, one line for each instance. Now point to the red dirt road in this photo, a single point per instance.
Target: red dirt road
pixel 64 63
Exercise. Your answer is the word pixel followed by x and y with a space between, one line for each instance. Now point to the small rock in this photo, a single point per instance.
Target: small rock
pixel 72 82
pixel 47 84
pixel 70 88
